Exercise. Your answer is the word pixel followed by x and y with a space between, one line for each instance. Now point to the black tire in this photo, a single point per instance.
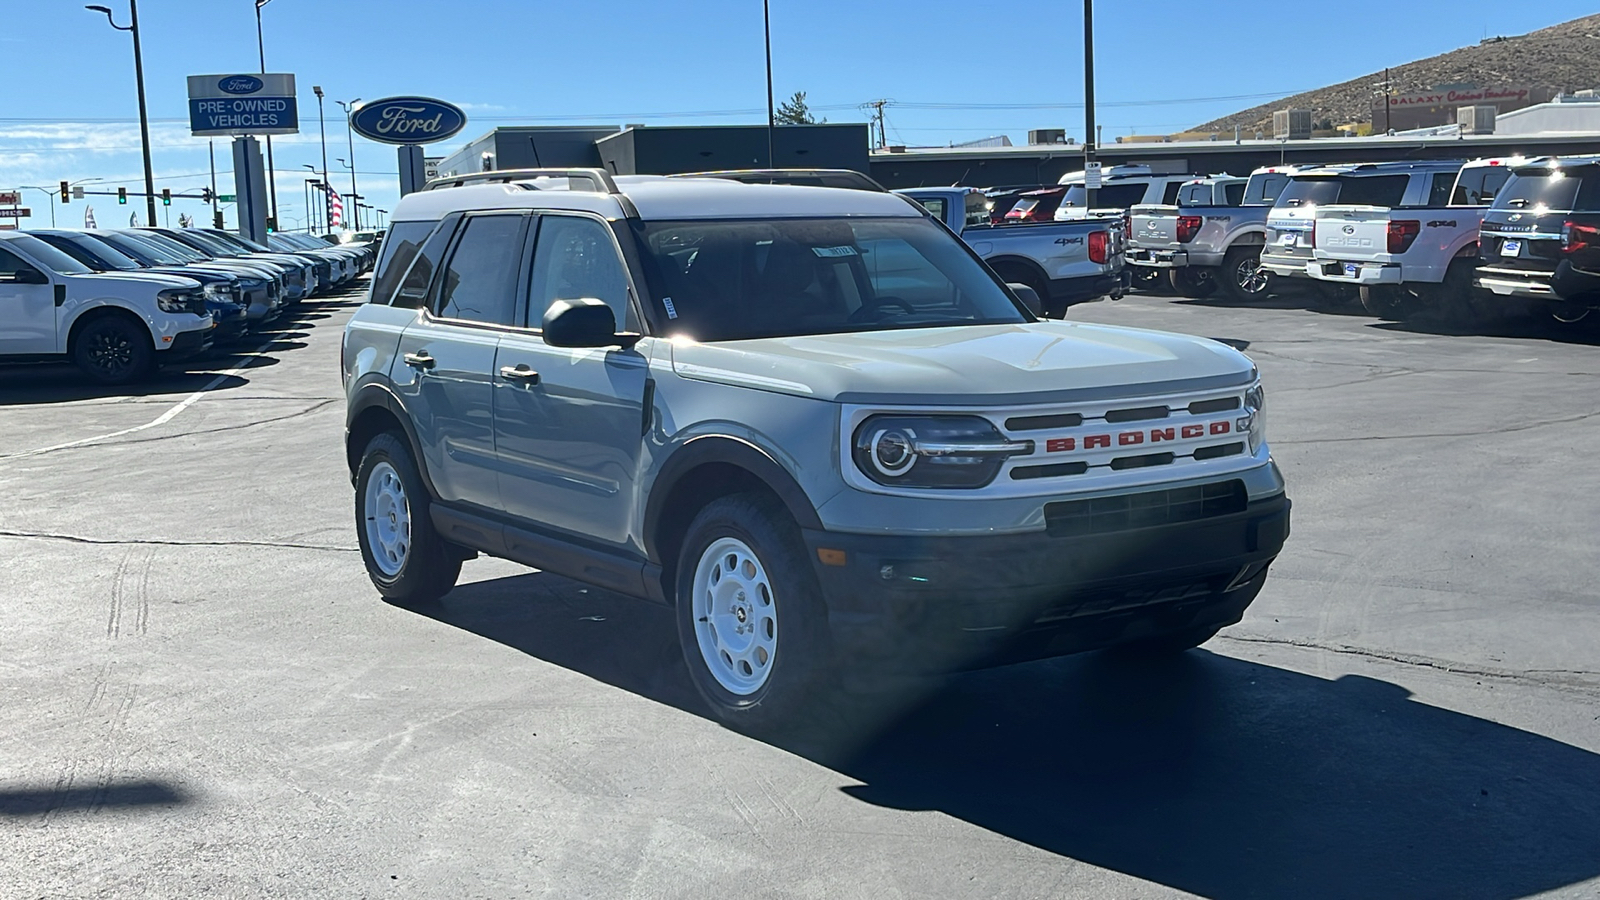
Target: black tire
pixel 1012 273
pixel 1148 278
pixel 800 683
pixel 114 348
pixel 1194 282
pixel 431 565
pixel 1386 301
pixel 1242 277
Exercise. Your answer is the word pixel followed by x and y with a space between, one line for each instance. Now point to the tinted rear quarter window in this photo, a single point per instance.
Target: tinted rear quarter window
pixel 1233 193
pixel 398 252
pixel 1170 195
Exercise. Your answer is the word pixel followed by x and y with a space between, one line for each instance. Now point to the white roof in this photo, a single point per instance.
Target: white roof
pixel 659 198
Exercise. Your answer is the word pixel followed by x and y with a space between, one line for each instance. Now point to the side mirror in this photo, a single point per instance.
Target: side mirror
pixel 1029 298
pixel 584 322
pixel 28 276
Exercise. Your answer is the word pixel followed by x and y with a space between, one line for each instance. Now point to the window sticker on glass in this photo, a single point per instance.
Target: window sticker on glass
pixel 833 252
pixel 672 311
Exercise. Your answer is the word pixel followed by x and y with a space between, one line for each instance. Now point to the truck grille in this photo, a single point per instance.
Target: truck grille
pixel 1148 509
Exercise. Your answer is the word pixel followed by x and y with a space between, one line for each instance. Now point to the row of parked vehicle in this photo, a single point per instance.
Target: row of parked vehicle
pixel 121 302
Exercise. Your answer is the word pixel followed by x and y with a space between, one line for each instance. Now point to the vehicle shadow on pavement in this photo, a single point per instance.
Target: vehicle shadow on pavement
pixel 62 383
pixel 1582 333
pixel 1213 775
pixel 22 802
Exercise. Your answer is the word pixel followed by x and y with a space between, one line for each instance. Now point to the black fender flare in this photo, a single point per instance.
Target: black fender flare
pixel 714 448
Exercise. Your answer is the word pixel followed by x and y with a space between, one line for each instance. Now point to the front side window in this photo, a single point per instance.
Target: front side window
pixel 49 257
pixel 11 265
pixel 576 257
pixel 480 281
pixel 737 280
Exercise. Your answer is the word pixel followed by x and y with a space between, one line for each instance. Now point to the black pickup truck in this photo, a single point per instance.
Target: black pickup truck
pixel 1541 239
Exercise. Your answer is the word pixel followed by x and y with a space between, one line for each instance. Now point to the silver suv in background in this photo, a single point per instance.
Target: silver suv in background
pixel 809 420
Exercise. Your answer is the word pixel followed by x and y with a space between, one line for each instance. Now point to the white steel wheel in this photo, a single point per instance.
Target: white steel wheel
pixel 735 616
pixel 388 519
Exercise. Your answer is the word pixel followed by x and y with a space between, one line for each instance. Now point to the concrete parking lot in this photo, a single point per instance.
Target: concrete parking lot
pixel 204 696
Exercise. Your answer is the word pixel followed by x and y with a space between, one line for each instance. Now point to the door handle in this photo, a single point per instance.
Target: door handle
pixel 420 360
pixel 520 372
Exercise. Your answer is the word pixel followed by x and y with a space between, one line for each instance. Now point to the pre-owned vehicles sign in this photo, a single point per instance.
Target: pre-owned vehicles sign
pixel 242 104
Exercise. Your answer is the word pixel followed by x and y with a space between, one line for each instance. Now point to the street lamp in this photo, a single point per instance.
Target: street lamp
pixel 349 109
pixel 272 175
pixel 322 125
pixel 144 116
pixel 52 194
pixel 310 209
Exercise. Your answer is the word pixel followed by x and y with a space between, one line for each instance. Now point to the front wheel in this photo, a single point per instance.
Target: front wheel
pixel 114 348
pixel 751 620
pixel 408 562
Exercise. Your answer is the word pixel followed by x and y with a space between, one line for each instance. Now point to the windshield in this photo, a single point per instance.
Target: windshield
pixel 1550 189
pixel 236 241
pixel 47 256
pixel 206 242
pixel 178 250
pixel 92 252
pixel 1112 196
pixel 736 280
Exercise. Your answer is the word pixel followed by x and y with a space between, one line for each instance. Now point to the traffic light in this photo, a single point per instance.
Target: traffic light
pixel 206 195
pixel 216 220
pixel 272 224
pixel 166 196
pixel 66 192
pixel 122 196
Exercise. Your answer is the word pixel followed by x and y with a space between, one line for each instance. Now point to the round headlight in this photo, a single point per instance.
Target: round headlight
pixel 891 451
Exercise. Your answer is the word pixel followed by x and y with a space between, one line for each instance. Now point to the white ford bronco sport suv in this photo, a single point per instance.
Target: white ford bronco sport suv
pixel 810 420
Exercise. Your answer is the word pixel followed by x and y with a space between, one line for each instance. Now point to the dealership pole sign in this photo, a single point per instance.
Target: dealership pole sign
pixel 408 122
pixel 236 105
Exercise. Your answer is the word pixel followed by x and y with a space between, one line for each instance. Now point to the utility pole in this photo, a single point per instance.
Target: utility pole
pixel 322 126
pixel 1088 99
pixel 272 175
pixel 144 115
pixel 877 115
pixel 766 15
pixel 349 110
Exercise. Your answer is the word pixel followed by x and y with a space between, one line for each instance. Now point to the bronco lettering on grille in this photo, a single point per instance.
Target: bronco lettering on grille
pixel 1134 438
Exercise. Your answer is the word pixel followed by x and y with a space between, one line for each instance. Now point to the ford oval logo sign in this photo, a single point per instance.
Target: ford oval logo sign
pixel 241 84
pixel 407 120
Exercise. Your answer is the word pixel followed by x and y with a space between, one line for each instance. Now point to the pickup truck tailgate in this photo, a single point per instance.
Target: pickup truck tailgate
pixel 1154 227
pixel 1356 233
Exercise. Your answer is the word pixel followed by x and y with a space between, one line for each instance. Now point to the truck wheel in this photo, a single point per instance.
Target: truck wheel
pixel 408 562
pixel 114 348
pixel 751 620
pixel 1386 301
pixel 1242 275
pixel 1013 273
pixel 1194 282
pixel 1147 278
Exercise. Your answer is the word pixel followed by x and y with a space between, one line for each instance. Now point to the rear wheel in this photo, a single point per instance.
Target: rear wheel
pixel 1147 278
pixel 751 620
pixel 1194 282
pixel 114 348
pixel 1020 274
pixel 1242 275
pixel 1386 301
pixel 408 562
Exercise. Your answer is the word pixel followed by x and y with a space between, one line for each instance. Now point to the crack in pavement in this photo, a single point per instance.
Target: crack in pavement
pixel 1446 434
pixel 1426 662
pixel 157 542
pixel 167 437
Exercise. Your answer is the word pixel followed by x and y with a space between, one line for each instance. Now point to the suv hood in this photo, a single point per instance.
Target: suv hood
pixel 1038 362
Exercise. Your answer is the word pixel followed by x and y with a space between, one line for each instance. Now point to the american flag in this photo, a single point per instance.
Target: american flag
pixel 335 207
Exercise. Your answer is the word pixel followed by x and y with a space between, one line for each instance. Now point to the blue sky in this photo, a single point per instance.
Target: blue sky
pixel 69 109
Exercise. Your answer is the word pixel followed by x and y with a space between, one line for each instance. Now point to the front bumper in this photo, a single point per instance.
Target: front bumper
pixel 185 344
pixel 921 604
pixel 1356 273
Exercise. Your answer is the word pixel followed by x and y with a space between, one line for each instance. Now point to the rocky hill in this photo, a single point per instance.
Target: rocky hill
pixel 1561 57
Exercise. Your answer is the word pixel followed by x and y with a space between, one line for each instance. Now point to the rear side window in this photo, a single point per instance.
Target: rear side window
pixel 1477 186
pixel 1439 191
pixel 1170 195
pixel 1233 193
pixel 405 239
pixel 480 281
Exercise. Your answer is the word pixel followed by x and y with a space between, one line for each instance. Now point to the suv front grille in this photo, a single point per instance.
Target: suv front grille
pixel 1147 509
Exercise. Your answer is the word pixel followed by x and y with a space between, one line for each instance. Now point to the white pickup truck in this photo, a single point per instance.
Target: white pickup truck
pixel 1212 238
pixel 116 327
pixel 1063 262
pixel 1291 225
pixel 1409 259
pixel 1120 188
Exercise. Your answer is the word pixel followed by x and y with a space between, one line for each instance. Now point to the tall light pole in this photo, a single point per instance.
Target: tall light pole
pixel 1088 100
pixel 350 108
pixel 355 198
pixel 144 115
pixel 322 125
pixel 766 18
pixel 310 182
pixel 272 176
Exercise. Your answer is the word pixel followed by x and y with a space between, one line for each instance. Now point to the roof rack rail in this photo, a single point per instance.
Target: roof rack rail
pixel 844 178
pixel 602 181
